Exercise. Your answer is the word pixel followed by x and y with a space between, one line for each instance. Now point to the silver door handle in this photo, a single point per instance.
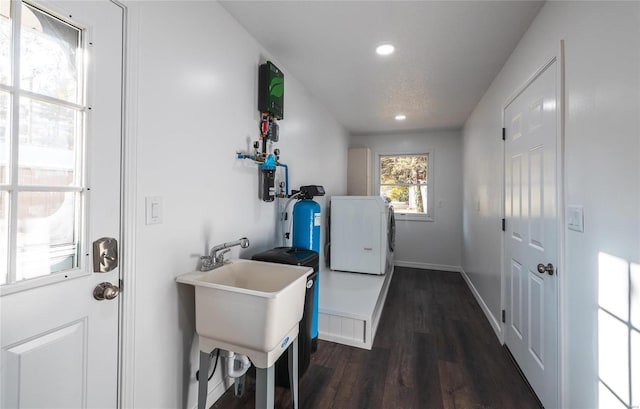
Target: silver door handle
pixel 546 269
pixel 106 291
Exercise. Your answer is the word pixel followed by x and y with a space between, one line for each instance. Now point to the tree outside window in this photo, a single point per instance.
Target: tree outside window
pixel 41 148
pixel 404 181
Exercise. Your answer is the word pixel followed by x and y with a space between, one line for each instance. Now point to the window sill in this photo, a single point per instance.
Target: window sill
pixel 413 217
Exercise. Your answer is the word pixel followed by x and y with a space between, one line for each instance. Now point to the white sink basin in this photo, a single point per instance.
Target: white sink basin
pixel 249 307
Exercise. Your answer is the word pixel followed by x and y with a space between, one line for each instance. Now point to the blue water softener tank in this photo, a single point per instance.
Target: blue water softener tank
pixel 307 221
pixel 306 225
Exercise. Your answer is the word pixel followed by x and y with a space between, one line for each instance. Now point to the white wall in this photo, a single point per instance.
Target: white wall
pixel 196 91
pixel 602 173
pixel 423 244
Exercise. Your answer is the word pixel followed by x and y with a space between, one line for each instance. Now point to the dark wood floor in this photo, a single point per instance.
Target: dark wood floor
pixel 434 349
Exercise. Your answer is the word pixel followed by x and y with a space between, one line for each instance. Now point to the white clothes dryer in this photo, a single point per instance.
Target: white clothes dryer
pixel 362 234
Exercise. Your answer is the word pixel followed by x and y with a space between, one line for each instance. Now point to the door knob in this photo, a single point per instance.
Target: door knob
pixel 106 291
pixel 546 269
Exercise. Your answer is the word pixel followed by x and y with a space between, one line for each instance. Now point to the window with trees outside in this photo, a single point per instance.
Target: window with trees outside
pixel 42 110
pixel 405 181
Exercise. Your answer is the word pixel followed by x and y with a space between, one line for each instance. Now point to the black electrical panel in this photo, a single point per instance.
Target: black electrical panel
pixel 271 90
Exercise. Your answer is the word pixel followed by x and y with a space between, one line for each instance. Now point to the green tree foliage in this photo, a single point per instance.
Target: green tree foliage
pixel 399 194
pixel 402 173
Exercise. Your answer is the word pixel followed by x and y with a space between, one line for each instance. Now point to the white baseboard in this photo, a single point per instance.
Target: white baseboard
pixel 427 266
pixel 495 323
pixel 216 391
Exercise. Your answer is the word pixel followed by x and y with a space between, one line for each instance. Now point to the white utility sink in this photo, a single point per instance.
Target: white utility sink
pixel 249 307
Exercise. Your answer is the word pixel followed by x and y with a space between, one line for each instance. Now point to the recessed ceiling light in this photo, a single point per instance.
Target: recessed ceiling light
pixel 401 117
pixel 385 49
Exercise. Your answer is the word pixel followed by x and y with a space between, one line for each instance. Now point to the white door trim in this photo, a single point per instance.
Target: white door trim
pixel 557 56
pixel 129 203
pixel 126 364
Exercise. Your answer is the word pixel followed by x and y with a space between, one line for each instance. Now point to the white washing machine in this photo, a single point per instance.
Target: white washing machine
pixel 362 234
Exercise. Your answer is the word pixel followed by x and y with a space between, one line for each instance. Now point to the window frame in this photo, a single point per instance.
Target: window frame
pixel 417 217
pixel 13 187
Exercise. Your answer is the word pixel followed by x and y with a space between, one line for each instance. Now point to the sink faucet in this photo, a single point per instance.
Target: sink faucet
pixel 216 255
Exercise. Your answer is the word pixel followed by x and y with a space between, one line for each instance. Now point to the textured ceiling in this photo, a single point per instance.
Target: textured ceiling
pixel 447 54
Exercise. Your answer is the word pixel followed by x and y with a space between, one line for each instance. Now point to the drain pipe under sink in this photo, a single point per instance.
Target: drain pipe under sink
pixel 243 361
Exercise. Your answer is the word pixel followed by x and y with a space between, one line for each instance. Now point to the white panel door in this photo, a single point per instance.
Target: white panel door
pixel 531 234
pixel 60 110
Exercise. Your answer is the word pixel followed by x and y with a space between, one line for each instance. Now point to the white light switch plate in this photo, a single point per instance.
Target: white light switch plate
pixel 153 210
pixel 575 218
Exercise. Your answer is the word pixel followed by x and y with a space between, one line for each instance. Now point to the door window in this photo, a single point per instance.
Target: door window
pixel 42 115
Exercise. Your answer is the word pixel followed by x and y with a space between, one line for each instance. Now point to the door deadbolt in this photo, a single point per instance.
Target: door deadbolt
pixel 106 291
pixel 105 255
pixel 546 269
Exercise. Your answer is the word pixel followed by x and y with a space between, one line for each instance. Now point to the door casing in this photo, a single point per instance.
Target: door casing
pixel 128 192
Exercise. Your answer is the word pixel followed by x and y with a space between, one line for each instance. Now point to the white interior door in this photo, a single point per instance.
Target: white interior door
pixel 60 138
pixel 531 233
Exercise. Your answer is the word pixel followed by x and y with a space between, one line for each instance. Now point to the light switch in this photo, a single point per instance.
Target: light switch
pixel 575 218
pixel 153 210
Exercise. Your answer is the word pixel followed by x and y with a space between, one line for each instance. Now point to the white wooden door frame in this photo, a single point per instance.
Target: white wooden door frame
pixel 556 57
pixel 128 183
pixel 126 318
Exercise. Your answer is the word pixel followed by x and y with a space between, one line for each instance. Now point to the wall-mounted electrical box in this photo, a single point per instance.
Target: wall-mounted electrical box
pixel 271 90
pixel 271 107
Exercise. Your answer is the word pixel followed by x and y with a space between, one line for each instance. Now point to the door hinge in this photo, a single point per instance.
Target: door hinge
pixel 504 224
pixel 504 316
pixel 504 134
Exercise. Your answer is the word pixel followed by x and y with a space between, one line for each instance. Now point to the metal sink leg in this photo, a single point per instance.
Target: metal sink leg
pixel 265 384
pixel 293 371
pixel 265 380
pixel 205 361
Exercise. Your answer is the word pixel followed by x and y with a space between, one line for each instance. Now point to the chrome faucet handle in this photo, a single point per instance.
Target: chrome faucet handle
pixel 219 256
pixel 207 263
